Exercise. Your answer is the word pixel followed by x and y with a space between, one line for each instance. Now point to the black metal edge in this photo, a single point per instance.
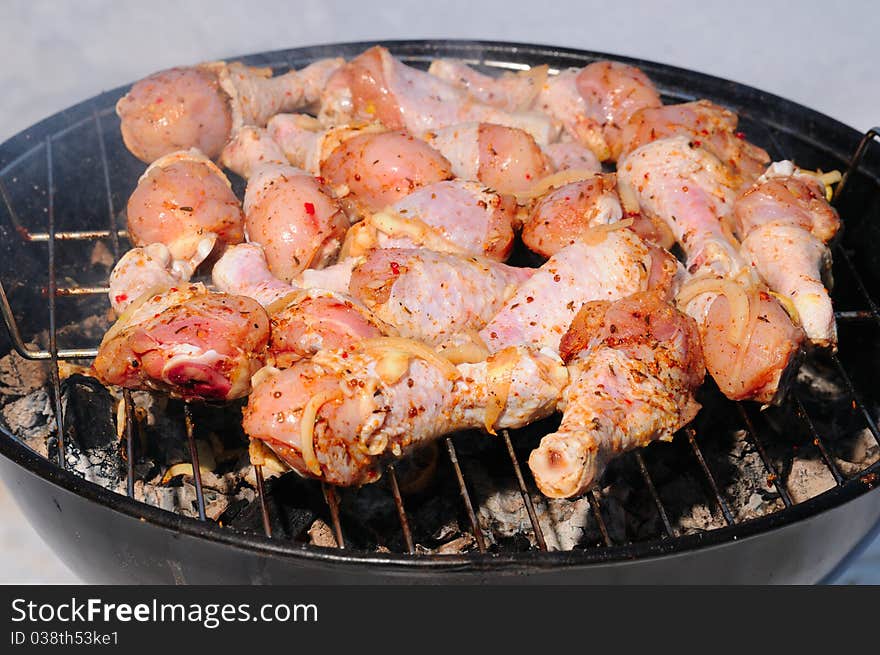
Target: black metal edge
pixel 724 91
pixel 175 523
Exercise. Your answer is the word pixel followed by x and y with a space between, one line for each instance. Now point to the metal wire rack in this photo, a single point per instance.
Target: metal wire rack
pixel 51 237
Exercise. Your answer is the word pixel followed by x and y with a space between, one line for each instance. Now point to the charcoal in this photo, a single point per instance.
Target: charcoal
pixel 91 443
pixel 89 413
pixel 289 514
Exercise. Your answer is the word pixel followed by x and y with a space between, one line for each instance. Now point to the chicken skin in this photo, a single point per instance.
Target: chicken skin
pixel 707 125
pixel 459 217
pixel 204 106
pixel 294 218
pixel 634 366
pixel 189 342
pixel 342 415
pixel 594 103
pixel 139 271
pixel 608 265
pixel 431 296
pixel 376 170
pixel 560 217
pixel 505 159
pixel 510 91
pixel 304 317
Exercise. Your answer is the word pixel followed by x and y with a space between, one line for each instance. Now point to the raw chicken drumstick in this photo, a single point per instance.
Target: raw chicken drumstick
pixel 592 103
pixel 505 159
pixel 457 216
pixel 433 297
pixel 595 102
pixel 606 265
pixel 289 212
pixel 374 86
pixel 203 106
pixel 634 366
pixel 369 167
pixel 304 319
pixel 341 415
pixel 139 271
pixel 560 217
pixel 785 222
pixel 186 203
pixel 706 125
pixel 189 342
pixel 749 342
pixel 509 91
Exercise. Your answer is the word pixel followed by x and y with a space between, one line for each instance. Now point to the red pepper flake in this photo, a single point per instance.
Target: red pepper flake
pixel 395 268
pixel 344 355
pixel 740 135
pixel 310 208
pixel 122 297
pixel 528 176
pixel 159 101
pixel 321 179
pixel 697 144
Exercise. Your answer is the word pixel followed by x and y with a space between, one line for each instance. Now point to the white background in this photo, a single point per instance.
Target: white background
pixel 825 55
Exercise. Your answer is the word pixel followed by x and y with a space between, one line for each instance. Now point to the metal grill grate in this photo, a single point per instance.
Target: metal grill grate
pixel 52 236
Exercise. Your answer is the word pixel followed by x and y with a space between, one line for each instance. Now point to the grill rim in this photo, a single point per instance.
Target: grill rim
pixel 834 135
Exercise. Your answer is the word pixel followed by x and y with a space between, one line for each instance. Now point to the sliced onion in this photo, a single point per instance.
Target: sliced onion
pixel 470 352
pixel 554 181
pixel 596 234
pixel 789 307
pixel 410 347
pixel 736 296
pixel 499 375
pixel 418 231
pixel 307 427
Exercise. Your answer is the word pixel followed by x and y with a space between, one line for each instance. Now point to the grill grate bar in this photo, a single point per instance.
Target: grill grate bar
pixel 69 235
pixel 818 441
pixel 261 494
pixel 595 507
pixel 853 165
pixel 401 510
pixel 857 399
pixel 858 315
pixel 723 507
pixel 873 313
pixel 194 458
pixel 128 406
pixel 524 492
pixel 53 331
pixel 105 167
pixel 80 291
pixel 465 496
pixel 667 526
pixel 768 465
pixel 332 500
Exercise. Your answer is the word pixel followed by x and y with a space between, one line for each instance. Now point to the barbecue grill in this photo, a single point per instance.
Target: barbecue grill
pixel 64 183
